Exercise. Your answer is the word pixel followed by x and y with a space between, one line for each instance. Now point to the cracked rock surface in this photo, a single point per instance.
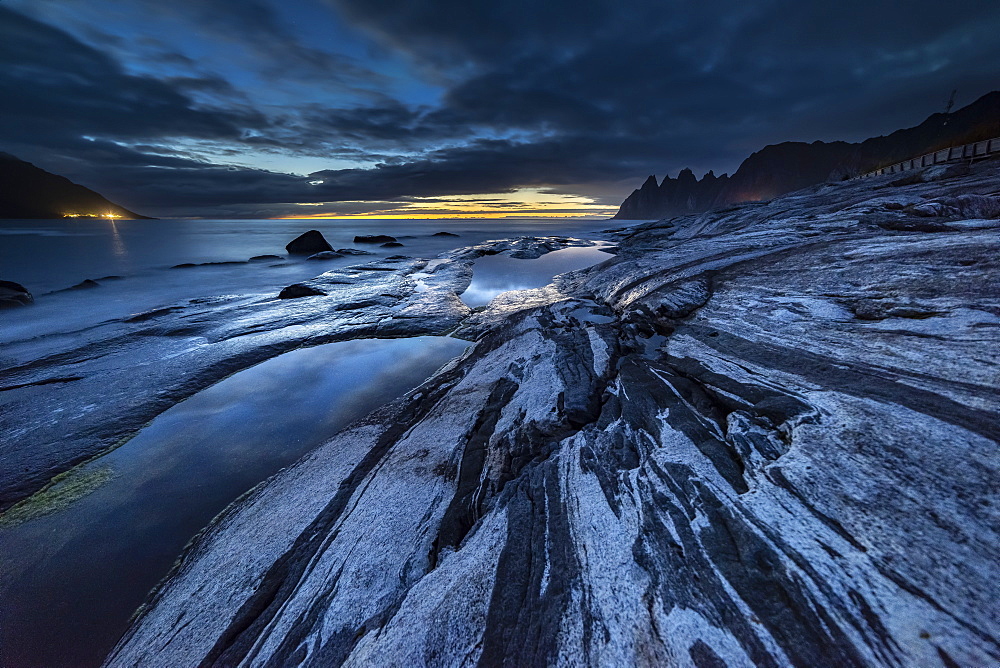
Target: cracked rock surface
pixel 764 436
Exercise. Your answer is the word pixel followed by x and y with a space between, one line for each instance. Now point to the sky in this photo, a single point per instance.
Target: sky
pixel 458 108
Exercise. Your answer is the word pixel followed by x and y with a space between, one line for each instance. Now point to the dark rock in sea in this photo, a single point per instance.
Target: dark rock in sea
pixel 397 257
pixel 373 239
pixel 85 285
pixel 765 436
pixel 111 278
pixel 297 290
pixel 265 258
pixel 392 244
pixel 220 263
pixel 308 243
pixel 444 234
pixel 353 251
pixel 14 294
pixel 325 255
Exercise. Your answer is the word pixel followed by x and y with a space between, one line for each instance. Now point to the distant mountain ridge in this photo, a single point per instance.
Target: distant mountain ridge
pixel 782 168
pixel 27 191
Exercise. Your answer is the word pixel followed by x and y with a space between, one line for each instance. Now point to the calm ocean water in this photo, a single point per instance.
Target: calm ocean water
pixel 47 255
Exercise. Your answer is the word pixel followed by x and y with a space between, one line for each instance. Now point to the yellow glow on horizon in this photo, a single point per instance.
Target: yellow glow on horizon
pixel 523 203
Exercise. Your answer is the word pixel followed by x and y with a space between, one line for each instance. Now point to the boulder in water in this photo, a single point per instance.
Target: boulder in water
pixel 14 294
pixel 309 243
pixel 297 290
pixel 265 258
pixel 392 244
pixel 86 285
pixel 373 239
pixel 444 234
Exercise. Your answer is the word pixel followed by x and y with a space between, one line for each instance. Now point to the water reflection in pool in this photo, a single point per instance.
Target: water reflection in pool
pixel 70 579
pixel 494 274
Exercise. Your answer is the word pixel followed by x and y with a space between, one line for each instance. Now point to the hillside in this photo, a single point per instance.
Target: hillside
pixel 27 191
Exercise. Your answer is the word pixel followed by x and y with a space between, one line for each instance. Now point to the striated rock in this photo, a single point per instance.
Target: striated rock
pixel 308 243
pixel 297 290
pixel 758 437
pixel 374 239
pixel 14 294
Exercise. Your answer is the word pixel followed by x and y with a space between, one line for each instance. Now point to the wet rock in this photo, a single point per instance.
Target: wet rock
pixel 85 285
pixel 325 255
pixel 444 234
pixel 265 258
pixel 297 290
pixel 392 244
pixel 308 243
pixel 695 452
pixel 373 239
pixel 14 294
pixel 353 251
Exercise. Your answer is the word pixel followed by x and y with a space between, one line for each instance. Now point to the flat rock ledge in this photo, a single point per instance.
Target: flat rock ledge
pixel 765 436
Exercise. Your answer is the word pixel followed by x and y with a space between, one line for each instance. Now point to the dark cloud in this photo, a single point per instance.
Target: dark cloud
pixel 577 97
pixel 57 90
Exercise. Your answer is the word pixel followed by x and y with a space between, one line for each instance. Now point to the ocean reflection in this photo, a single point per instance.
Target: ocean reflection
pixel 77 569
pixel 494 274
pixel 117 245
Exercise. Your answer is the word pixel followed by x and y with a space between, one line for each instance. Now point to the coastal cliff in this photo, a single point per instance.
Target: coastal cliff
pixel 782 168
pixel 761 436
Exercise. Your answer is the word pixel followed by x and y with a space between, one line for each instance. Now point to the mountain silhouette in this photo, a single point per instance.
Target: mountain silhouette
pixel 27 191
pixel 782 168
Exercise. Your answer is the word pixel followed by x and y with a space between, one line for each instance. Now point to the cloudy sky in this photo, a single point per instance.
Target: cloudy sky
pixel 271 108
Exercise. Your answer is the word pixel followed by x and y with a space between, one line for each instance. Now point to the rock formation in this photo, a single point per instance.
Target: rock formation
pixel 308 243
pixel 27 191
pixel 14 294
pixel 374 239
pixel 783 168
pixel 759 437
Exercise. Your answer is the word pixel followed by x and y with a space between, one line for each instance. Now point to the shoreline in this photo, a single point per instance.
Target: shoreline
pixel 752 438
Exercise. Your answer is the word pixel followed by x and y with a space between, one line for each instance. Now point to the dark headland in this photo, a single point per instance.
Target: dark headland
pixel 782 168
pixel 27 191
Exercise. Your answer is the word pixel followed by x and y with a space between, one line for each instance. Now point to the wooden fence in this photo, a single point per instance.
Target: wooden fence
pixel 970 152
